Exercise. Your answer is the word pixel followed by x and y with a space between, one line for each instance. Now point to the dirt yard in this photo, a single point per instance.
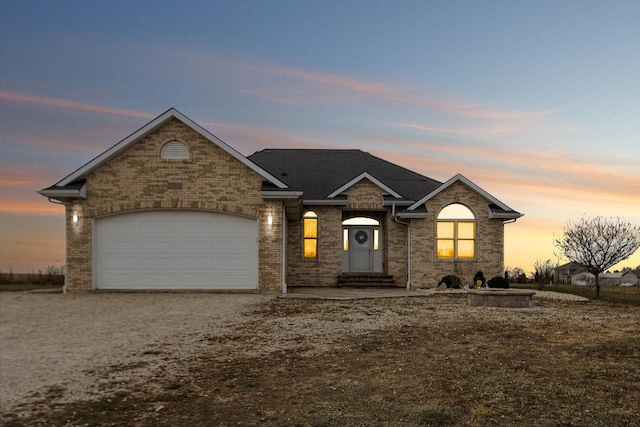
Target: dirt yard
pixel 222 360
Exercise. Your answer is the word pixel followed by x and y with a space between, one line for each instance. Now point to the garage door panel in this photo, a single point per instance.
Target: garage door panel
pixel 196 233
pixel 157 247
pixel 114 248
pixel 195 248
pixel 155 282
pixel 113 265
pixel 231 251
pixel 175 250
pixel 150 266
pixel 196 265
pixel 235 265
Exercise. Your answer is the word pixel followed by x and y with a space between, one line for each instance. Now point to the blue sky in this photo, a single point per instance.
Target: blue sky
pixel 537 102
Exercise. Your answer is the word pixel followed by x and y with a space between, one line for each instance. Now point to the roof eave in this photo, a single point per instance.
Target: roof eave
pixel 506 215
pixel 388 202
pixel 325 202
pixel 64 193
pixel 281 194
pixel 411 215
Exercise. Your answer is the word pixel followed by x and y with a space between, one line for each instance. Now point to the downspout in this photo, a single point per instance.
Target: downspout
pixel 284 250
pixel 55 202
pixel 408 225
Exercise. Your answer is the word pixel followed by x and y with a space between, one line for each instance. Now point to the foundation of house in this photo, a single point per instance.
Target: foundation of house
pixel 508 298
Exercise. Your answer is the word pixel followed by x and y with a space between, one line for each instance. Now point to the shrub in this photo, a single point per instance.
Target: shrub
pixel 498 282
pixel 452 281
pixel 479 280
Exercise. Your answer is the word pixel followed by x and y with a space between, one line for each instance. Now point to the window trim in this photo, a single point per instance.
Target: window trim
pixel 455 239
pixel 311 217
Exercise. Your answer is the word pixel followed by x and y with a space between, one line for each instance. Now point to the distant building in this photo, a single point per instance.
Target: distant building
pixel 563 273
pixel 628 278
pixel 631 278
pixel 582 279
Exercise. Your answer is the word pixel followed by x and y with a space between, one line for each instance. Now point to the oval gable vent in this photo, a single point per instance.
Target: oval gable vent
pixel 174 150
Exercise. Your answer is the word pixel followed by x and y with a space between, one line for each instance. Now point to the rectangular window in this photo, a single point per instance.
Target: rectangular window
pixel 310 248
pixel 466 239
pixel 445 248
pixel 446 234
pixel 456 239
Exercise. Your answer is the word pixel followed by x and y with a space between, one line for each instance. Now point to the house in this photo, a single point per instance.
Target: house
pixel 564 272
pixel 631 278
pixel 583 278
pixel 611 279
pixel 173 207
pixel 627 278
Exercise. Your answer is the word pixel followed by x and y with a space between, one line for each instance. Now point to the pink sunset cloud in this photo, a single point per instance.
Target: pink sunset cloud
pixel 63 103
pixel 30 207
pixel 531 176
pixel 298 86
pixel 67 146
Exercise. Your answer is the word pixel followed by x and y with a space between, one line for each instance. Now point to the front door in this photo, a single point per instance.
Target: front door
pixel 362 245
pixel 361 249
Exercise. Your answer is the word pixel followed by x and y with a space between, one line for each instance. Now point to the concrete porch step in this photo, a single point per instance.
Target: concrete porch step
pixel 372 280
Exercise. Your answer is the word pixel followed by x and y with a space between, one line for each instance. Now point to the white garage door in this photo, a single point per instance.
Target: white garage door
pixel 175 250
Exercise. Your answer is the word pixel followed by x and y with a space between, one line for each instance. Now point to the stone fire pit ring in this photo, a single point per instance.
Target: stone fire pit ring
pixel 506 298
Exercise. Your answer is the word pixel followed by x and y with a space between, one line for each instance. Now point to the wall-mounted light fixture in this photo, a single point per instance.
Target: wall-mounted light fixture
pixel 76 219
pixel 270 222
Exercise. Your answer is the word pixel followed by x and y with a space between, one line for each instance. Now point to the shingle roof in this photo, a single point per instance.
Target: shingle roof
pixel 319 172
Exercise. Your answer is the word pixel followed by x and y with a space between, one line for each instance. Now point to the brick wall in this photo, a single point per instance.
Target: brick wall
pixel 364 199
pixel 137 179
pixel 325 268
pixel 364 195
pixel 427 269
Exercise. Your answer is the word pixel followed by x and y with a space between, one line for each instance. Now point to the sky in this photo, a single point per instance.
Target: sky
pixel 537 102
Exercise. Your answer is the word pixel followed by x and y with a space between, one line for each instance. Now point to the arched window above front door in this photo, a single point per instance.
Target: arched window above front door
pixel 361 220
pixel 456 232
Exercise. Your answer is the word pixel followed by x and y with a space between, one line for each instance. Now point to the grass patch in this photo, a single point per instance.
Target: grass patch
pixel 22 287
pixel 432 415
pixel 611 294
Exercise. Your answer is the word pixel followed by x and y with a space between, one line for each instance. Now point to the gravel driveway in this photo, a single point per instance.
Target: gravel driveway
pixel 55 348
pixel 58 348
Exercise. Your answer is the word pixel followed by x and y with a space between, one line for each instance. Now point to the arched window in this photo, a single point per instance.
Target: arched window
pixel 310 233
pixel 456 232
pixel 174 150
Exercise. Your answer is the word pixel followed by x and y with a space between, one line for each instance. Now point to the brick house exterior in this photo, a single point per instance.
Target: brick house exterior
pixel 138 217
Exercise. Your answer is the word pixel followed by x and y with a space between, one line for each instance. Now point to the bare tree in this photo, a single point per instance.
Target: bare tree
pixel 598 243
pixel 516 274
pixel 543 273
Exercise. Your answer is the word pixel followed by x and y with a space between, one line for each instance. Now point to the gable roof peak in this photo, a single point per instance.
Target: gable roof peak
pixel 357 179
pixel 497 209
pixel 171 113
